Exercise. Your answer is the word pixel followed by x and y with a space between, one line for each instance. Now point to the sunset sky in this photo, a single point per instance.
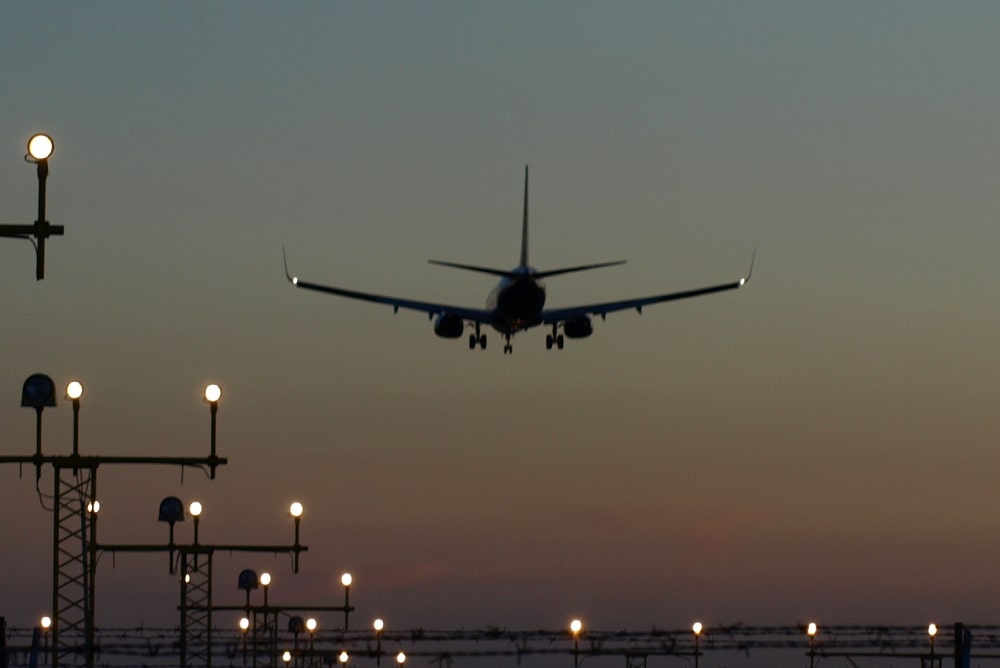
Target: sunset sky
pixel 819 445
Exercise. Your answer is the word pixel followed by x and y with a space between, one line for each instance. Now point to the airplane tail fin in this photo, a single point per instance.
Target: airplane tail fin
pixel 524 254
pixel 524 224
pixel 524 247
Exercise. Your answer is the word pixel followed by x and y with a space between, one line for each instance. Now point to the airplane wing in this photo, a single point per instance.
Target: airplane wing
pixel 470 314
pixel 555 316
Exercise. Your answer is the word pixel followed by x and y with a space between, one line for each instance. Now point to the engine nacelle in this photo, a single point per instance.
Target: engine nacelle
pixel 449 326
pixel 578 327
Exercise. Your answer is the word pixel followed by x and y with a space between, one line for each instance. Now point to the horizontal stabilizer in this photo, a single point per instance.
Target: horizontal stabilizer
pixel 532 273
pixel 582 267
pixel 483 270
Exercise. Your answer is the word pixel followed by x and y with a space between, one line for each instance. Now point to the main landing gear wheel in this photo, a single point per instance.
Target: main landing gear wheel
pixel 477 340
pixel 554 338
pixel 507 348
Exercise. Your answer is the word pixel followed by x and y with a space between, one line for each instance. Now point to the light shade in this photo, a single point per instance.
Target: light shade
pixel 195 508
pixel 171 510
pixel 46 623
pixel 38 391
pixel 576 626
pixel 346 579
pixel 247 579
pixel 295 510
pixel 40 146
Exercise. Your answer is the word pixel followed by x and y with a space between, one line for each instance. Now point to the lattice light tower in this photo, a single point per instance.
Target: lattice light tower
pixel 74 546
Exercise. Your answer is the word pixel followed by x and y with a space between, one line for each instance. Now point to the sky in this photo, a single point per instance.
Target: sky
pixel 818 445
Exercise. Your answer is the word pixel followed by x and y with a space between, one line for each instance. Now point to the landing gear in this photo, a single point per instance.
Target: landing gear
pixel 477 339
pixel 507 348
pixel 554 339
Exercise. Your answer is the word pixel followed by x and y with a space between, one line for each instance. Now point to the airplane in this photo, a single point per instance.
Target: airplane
pixel 517 303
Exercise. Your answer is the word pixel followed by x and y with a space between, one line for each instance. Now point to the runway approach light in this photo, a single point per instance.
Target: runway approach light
pixel 40 146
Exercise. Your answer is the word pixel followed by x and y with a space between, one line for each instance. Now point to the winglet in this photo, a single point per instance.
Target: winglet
pixel 744 281
pixel 291 279
pixel 524 223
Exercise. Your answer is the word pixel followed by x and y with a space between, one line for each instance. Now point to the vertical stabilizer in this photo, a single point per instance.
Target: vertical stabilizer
pixel 524 225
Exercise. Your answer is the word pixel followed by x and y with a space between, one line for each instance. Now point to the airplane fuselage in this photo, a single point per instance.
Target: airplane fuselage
pixel 517 302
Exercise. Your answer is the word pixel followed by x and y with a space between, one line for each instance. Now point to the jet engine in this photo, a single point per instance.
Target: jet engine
pixel 578 327
pixel 449 326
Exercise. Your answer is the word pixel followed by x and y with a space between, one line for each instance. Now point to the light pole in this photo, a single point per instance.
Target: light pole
pixel 576 628
pixel 74 390
pixel 811 631
pixel 295 510
pixel 247 580
pixel 378 625
pixel 212 395
pixel 40 148
pixel 296 625
pixel 346 579
pixel 195 510
pixel 311 626
pixel 696 629
pixel 271 630
pixel 38 392
pixel 244 629
pixel 46 624
pixel 265 582
pixel 171 512
pixel 932 630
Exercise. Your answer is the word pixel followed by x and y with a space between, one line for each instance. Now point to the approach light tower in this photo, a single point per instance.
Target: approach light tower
pixel 40 149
